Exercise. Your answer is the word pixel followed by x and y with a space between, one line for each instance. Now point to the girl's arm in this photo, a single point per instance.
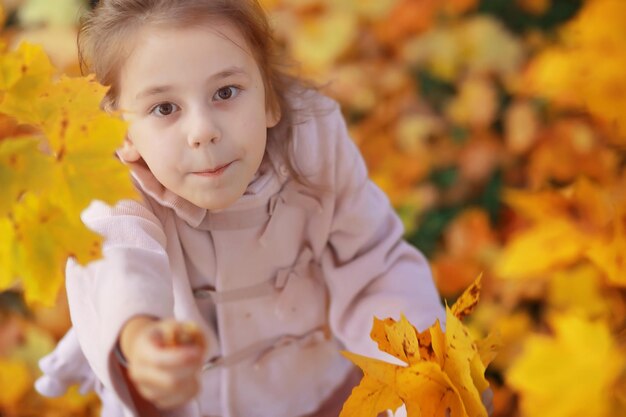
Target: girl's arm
pixel 132 279
pixel 369 269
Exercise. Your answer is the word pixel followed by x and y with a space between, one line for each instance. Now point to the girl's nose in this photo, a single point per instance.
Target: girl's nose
pixel 202 130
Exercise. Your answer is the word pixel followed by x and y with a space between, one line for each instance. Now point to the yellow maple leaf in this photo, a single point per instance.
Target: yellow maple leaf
pixel 45 237
pixel 7 253
pixel 464 366
pixel 68 106
pixel 545 245
pixel 550 74
pixel 22 167
pixel 377 390
pixel 427 391
pixel 49 180
pixel 568 374
pixel 24 75
pixel 83 140
pixel 91 155
pixel 397 338
pixel 579 290
pixel 15 382
pixel 489 347
pixel 319 40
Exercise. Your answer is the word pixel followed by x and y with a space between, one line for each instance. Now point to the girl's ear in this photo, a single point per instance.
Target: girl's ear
pixel 128 152
pixel 272 116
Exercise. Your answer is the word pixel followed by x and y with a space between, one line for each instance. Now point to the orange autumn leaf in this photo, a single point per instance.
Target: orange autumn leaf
pixel 407 18
pixel 459 6
pixel 536 7
pixel 454 273
pixel 469 245
pixel 470 235
pixel 411 17
pixel 569 149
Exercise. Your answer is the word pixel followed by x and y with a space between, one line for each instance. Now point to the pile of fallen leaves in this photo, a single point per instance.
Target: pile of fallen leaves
pixel 496 127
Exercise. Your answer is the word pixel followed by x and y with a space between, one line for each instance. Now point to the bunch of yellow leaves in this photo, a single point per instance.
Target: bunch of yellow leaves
pixel 444 375
pixel 52 173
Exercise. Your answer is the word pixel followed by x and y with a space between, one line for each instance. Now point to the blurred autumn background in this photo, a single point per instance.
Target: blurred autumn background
pixel 497 128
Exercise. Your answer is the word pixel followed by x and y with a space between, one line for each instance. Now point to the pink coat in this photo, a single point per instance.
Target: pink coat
pixel 280 282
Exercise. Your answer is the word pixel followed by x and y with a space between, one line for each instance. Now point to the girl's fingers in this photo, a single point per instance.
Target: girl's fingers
pixel 166 362
pixel 155 383
pixel 171 333
pixel 167 379
pixel 171 358
pixel 165 399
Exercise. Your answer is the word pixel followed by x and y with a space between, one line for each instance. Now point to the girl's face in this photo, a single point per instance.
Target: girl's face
pixel 195 101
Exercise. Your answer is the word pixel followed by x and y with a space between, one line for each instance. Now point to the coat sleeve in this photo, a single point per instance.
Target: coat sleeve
pixel 369 268
pixel 131 279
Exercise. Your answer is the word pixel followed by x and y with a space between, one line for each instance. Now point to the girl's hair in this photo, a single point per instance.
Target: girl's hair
pixel 104 45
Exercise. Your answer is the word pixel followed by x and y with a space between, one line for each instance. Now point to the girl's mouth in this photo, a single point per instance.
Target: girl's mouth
pixel 214 172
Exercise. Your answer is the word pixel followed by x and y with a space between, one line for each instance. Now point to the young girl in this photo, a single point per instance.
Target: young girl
pixel 257 224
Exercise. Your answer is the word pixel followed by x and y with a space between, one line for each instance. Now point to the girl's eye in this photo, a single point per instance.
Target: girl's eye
pixel 226 93
pixel 164 109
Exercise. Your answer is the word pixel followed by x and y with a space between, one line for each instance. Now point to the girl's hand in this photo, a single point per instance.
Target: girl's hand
pixel 165 359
